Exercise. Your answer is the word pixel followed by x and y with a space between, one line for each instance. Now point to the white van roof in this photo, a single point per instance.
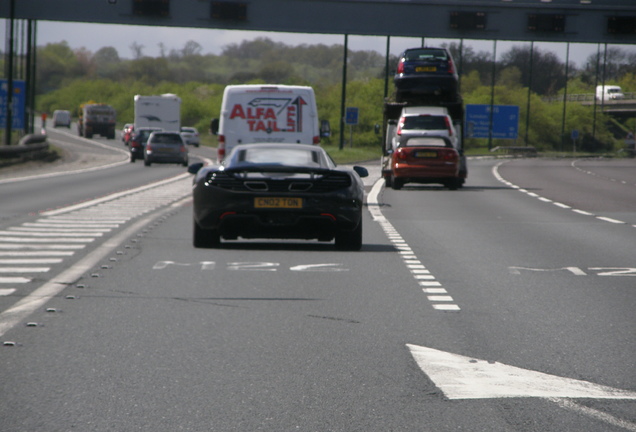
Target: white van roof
pixel 264 87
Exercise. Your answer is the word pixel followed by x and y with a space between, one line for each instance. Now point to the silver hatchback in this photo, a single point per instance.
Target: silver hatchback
pixel 165 147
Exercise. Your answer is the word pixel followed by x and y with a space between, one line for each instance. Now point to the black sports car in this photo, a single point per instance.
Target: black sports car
pixel 283 191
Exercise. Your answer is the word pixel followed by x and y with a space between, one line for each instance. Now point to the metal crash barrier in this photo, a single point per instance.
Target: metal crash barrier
pixel 32 146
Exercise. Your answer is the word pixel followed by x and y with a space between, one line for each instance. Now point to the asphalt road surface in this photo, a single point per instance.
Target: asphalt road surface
pixel 505 306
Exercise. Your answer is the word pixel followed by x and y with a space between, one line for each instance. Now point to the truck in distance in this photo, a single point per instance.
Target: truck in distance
pixel 96 119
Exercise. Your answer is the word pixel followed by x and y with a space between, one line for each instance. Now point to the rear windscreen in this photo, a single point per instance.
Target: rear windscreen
pixel 426 142
pixel 428 122
pixel 166 139
pixel 426 54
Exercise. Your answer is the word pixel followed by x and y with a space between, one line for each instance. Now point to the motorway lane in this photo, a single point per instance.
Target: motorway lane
pixel 258 336
pixel 97 168
pixel 539 286
pixel 54 215
pixel 254 337
pixel 601 186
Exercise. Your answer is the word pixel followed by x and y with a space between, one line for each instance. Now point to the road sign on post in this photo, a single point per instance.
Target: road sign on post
pixel 504 121
pixel 351 118
pixel 18 103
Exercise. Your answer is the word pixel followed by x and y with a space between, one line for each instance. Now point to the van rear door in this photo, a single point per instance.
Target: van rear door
pixel 267 113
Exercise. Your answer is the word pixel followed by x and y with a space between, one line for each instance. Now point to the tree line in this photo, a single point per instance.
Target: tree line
pixel 68 77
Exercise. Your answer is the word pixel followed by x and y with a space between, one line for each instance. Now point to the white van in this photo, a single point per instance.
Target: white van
pixel 264 114
pixel 61 118
pixel 608 93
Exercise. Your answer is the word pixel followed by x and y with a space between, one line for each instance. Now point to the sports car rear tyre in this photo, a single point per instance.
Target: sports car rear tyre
pixel 350 240
pixel 205 238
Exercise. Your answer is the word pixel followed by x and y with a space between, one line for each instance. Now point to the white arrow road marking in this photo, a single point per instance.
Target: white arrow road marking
pixel 327 267
pixel 461 377
pixel 574 270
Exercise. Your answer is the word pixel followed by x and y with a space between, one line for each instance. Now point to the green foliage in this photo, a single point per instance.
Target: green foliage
pixel 544 127
pixel 68 78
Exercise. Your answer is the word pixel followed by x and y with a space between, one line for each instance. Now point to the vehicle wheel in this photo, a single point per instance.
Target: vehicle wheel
pixel 350 240
pixel 147 162
pixel 132 159
pixel 205 238
pixel 453 184
pixel 396 183
pixel 388 181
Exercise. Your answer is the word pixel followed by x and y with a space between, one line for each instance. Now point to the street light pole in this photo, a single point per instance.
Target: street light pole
pixel 7 135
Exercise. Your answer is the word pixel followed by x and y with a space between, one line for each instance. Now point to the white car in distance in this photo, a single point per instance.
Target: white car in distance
pixel 190 135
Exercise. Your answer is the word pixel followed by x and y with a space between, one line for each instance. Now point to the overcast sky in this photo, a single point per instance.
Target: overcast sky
pixel 121 37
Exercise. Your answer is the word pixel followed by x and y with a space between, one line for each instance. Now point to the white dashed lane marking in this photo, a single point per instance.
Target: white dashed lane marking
pixel 435 292
pixel 495 171
pixel 31 248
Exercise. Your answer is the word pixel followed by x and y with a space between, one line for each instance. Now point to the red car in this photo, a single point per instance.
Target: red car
pixel 423 159
pixel 127 132
pixel 138 141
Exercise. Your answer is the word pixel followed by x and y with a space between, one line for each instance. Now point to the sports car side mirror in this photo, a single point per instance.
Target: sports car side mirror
pixel 362 171
pixel 195 167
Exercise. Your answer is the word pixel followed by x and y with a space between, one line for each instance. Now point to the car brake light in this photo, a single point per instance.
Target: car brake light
pixel 148 147
pixel 399 127
pixel 449 155
pixel 220 151
pixel 448 126
pixel 400 66
pixel 401 154
pixel 451 67
pixel 316 140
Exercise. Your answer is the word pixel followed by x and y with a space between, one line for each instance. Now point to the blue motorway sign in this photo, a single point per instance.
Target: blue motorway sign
pixel 351 115
pixel 18 104
pixel 505 121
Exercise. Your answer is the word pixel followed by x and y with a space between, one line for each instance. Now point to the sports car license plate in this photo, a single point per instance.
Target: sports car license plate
pixel 278 202
pixel 426 69
pixel 426 154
